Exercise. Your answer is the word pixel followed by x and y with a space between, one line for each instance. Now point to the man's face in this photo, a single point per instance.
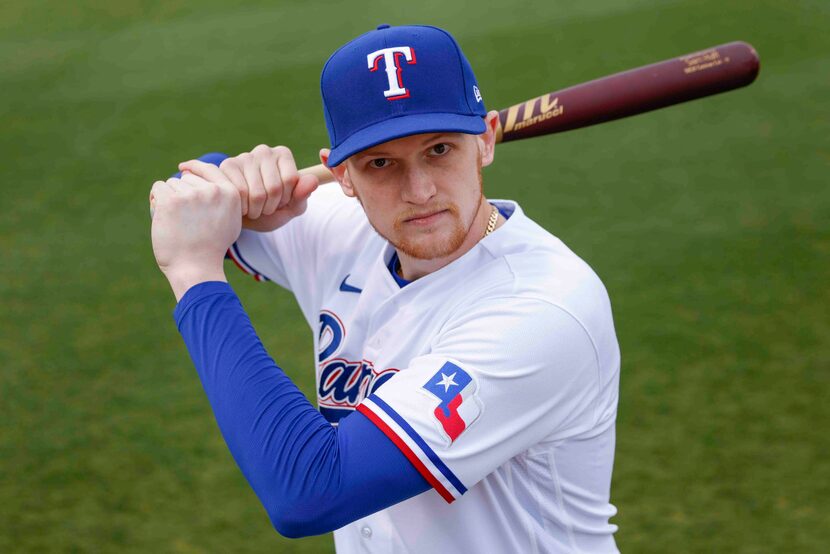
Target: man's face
pixel 422 192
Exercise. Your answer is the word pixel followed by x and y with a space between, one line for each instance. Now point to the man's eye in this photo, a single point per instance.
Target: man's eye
pixel 378 163
pixel 440 149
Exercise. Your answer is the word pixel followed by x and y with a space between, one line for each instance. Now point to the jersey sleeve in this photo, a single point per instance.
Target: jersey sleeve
pixel 500 378
pixel 265 256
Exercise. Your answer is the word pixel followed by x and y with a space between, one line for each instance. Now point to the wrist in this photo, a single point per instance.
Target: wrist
pixel 183 279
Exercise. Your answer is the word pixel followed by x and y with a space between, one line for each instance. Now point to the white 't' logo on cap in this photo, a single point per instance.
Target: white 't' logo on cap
pixel 391 59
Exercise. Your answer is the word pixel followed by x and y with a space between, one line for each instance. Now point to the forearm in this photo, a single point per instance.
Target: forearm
pixel 311 477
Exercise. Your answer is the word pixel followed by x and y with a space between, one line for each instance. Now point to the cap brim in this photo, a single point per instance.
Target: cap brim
pixel 405 126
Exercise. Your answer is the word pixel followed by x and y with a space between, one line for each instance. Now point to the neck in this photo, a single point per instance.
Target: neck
pixel 414 268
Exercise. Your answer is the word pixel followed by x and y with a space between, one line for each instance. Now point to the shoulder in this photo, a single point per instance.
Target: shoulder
pixel 525 261
pixel 530 289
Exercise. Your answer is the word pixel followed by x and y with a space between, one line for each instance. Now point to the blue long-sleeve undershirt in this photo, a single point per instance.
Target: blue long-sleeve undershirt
pixel 310 477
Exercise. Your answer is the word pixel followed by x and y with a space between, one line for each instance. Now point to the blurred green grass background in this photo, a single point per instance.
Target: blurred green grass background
pixel 708 222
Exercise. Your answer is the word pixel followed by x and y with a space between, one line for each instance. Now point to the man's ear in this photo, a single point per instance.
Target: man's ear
pixel 340 173
pixel 487 140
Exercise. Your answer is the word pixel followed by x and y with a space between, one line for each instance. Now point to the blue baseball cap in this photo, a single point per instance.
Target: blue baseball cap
pixel 394 82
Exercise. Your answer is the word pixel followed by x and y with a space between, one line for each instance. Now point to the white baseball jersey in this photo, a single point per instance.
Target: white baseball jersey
pixel 497 376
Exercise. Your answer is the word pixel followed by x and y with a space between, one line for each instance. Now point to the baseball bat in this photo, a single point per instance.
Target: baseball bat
pixel 643 89
pixel 639 90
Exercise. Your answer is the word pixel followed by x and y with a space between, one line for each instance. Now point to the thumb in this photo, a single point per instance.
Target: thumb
pixel 306 184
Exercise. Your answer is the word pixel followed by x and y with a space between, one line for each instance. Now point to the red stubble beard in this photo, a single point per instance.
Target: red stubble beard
pixel 431 244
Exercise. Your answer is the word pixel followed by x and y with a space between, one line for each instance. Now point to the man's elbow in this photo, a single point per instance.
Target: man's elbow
pixel 290 529
pixel 297 521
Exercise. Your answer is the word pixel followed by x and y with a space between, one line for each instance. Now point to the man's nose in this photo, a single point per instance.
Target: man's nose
pixel 418 186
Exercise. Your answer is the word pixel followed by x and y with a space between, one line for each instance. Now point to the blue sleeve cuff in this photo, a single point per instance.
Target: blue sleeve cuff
pixel 196 293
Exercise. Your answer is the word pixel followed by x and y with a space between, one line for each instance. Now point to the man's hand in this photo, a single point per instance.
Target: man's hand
pixel 195 222
pixel 271 190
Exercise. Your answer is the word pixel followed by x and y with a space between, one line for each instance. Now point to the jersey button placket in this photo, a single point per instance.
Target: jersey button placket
pixel 366 532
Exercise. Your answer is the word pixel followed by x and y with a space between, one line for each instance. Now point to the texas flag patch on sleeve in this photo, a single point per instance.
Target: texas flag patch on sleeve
pixel 459 405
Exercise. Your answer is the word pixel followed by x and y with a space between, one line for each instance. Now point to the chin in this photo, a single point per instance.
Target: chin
pixel 432 247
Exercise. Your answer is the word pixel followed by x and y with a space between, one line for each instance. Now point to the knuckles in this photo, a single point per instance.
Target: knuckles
pixel 212 192
pixel 273 188
pixel 258 195
pixel 262 150
pixel 189 194
pixel 236 189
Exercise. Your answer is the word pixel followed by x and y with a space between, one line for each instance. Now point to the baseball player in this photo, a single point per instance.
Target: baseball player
pixel 466 360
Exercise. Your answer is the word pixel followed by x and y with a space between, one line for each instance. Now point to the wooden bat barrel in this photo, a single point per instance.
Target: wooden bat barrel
pixel 711 71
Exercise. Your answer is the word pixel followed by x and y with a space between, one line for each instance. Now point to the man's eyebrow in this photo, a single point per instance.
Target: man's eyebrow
pixel 376 151
pixel 371 152
pixel 435 137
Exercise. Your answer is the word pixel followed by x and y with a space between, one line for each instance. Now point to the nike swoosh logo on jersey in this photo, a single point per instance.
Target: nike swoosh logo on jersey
pixel 345 287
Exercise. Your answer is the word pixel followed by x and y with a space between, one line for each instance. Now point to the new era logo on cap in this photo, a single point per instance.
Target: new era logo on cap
pixel 394 82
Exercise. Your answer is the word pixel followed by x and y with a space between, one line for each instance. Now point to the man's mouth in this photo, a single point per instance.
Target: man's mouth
pixel 426 218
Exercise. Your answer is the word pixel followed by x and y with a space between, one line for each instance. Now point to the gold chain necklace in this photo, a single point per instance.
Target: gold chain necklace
pixel 494 217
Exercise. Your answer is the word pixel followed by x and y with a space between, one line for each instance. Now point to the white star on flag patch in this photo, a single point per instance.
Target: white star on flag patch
pixel 459 405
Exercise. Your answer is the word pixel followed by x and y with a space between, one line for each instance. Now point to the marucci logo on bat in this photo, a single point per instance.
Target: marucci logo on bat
pixel 702 61
pixel 549 107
